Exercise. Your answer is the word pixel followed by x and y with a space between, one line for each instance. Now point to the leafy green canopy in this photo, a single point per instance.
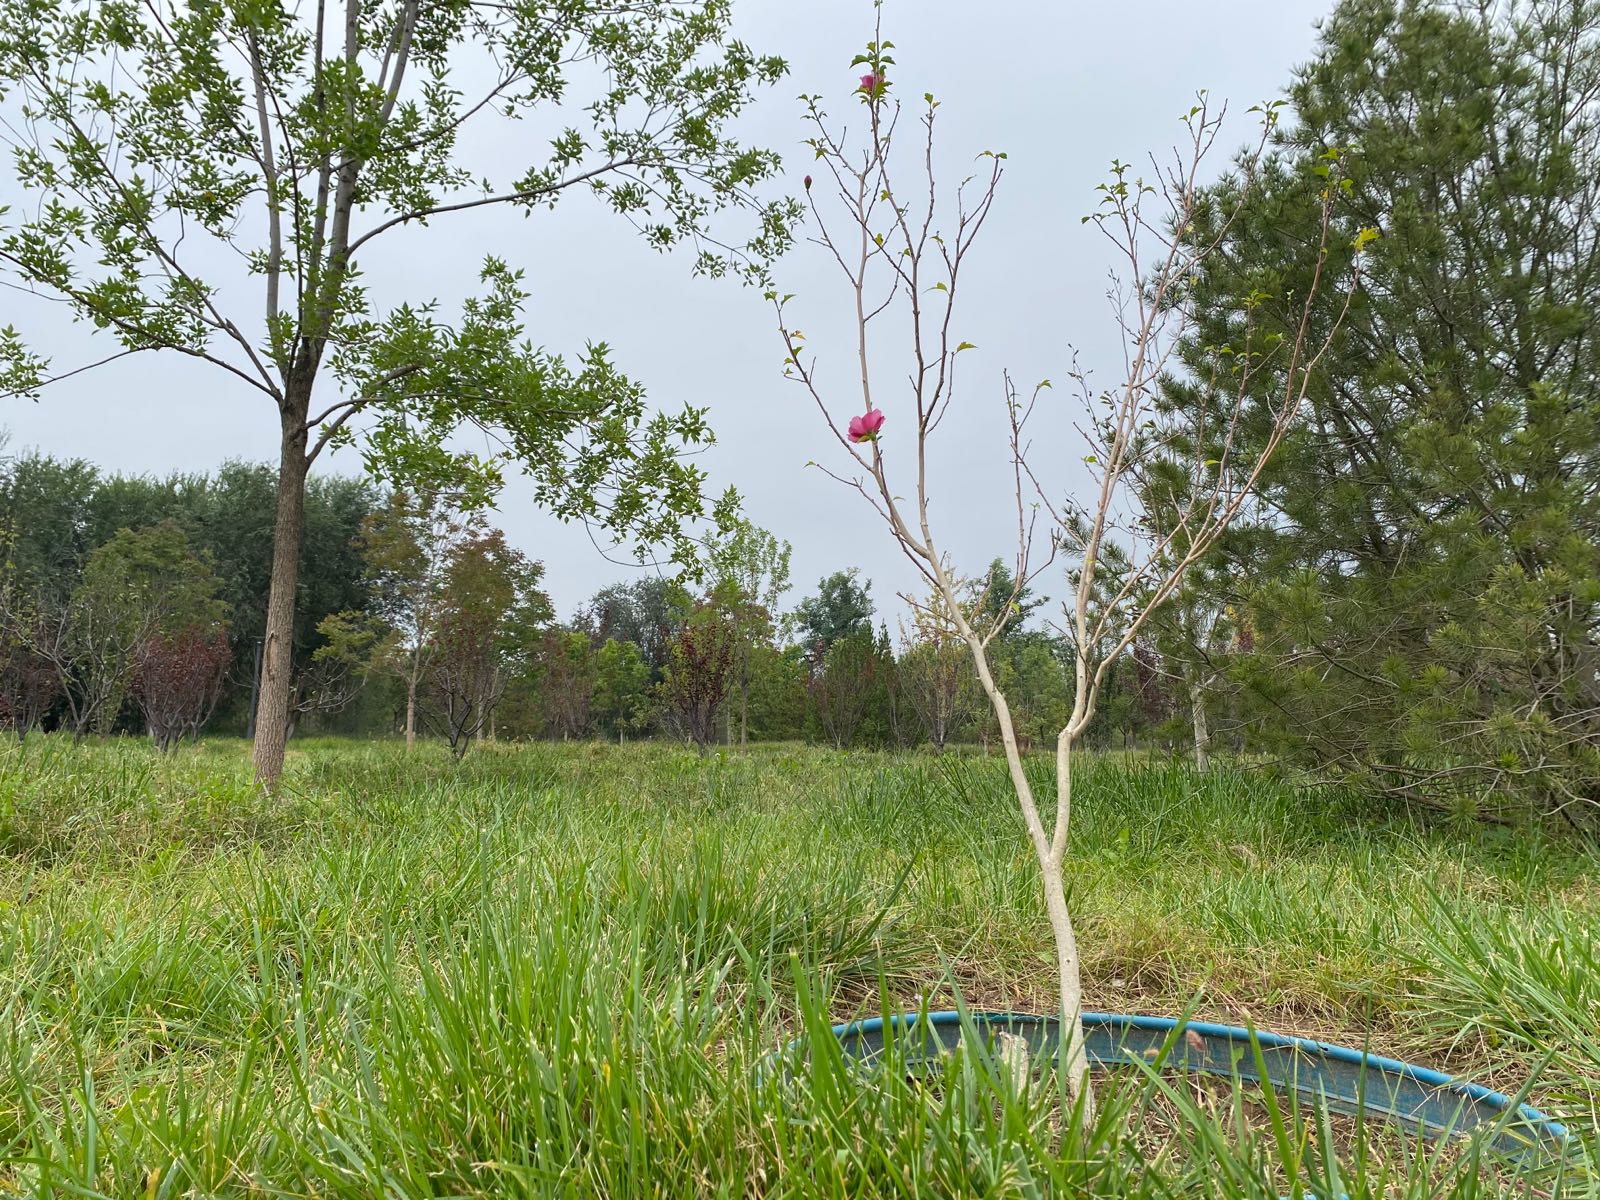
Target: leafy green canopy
pixel 152 142
pixel 841 607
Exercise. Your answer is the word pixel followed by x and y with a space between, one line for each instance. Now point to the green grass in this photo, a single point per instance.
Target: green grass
pixel 557 970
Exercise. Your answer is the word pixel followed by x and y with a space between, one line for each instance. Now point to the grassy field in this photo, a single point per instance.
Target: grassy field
pixel 556 970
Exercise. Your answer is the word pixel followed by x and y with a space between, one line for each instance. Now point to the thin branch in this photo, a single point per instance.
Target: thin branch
pixel 422 214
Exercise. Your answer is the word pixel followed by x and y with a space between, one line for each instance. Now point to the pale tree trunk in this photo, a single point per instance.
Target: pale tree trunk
pixel 1070 968
pixel 277 658
pixel 1050 852
pixel 411 712
pixel 1197 713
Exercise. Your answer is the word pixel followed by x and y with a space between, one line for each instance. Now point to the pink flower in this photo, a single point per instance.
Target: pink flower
pixel 869 83
pixel 865 427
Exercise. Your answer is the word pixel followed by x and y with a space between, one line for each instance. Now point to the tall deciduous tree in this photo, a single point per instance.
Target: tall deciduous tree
pixel 568 679
pixel 753 566
pixel 778 699
pixel 53 512
pixel 621 689
pixel 647 612
pixel 46 521
pixel 408 545
pixel 299 143
pixel 493 616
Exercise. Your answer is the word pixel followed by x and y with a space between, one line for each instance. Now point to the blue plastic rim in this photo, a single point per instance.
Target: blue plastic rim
pixel 1339 1077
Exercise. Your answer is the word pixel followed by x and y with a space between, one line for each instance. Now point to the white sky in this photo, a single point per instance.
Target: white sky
pixel 1062 87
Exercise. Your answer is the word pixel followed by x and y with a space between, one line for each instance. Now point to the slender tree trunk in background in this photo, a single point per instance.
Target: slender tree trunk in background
pixel 1197 713
pixel 255 695
pixel 411 711
pixel 744 703
pixel 277 658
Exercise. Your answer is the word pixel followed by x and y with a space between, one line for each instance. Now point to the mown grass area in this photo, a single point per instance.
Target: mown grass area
pixel 557 970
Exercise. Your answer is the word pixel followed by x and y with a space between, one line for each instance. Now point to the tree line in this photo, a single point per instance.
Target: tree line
pixel 1409 605
pixel 133 603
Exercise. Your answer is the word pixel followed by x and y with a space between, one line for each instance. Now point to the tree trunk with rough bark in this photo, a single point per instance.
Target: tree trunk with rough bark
pixel 277 657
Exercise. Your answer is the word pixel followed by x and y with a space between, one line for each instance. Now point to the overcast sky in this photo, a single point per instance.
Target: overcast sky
pixel 1061 86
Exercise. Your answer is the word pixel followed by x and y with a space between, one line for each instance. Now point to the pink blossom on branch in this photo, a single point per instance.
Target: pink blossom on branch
pixel 870 83
pixel 865 427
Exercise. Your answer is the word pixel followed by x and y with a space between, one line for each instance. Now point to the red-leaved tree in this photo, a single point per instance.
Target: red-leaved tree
pixel 29 685
pixel 178 680
pixel 699 671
